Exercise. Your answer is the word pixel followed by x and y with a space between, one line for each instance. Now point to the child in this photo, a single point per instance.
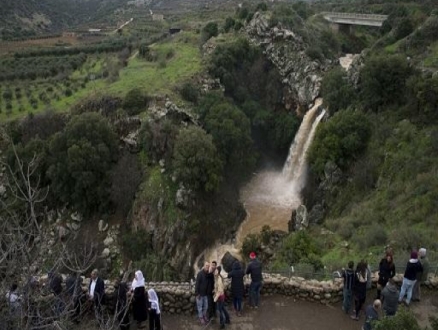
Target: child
pixel 154 311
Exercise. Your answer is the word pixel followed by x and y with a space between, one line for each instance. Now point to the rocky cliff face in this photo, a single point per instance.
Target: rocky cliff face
pixel 287 51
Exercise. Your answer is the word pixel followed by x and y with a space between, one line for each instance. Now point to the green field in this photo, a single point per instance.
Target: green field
pixel 177 59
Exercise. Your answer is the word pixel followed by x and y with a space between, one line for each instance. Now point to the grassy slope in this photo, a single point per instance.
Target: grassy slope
pixel 160 77
pixel 157 77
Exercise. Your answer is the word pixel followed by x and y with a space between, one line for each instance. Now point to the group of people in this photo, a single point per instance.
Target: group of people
pixel 358 281
pixel 72 300
pixel 210 289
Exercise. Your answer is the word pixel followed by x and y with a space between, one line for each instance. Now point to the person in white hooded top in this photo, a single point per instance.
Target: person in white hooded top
pixel 140 302
pixel 154 311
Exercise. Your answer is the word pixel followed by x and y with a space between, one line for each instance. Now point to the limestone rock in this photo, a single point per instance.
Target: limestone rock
pixel 102 226
pixel 105 253
pixel 76 217
pixel 227 261
pixel 108 241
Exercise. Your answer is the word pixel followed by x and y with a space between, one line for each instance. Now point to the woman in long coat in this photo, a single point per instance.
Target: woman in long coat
pixel 237 286
pixel 140 303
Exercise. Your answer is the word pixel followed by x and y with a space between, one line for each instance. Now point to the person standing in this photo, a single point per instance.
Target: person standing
pixel 140 302
pixel 154 311
pixel 122 305
pixel 74 290
pixel 349 277
pixel 55 285
pixel 219 298
pixel 255 270
pixel 390 295
pixel 386 271
pixel 211 312
pixel 237 286
pixel 96 292
pixel 422 276
pixel 201 288
pixel 360 288
pixel 413 267
pixel 14 301
pixel 372 314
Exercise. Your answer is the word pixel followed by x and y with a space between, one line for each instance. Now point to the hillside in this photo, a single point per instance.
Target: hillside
pixel 25 18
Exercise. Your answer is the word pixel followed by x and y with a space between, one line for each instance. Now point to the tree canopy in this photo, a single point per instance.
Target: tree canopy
pixel 196 161
pixel 80 158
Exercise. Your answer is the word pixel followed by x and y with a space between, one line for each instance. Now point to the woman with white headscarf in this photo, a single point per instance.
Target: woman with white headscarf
pixel 154 311
pixel 140 300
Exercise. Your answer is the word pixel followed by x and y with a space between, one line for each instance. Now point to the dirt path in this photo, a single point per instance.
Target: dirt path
pixel 276 313
pixel 284 313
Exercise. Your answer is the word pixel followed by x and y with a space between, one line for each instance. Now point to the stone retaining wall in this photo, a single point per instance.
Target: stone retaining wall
pixel 179 297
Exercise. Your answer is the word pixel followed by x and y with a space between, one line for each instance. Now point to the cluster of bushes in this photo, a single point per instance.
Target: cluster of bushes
pixel 109 46
pixel 74 160
pixel 255 86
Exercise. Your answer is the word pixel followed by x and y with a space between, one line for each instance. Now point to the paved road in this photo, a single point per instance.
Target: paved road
pixel 283 313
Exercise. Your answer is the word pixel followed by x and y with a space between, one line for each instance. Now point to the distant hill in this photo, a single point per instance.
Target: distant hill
pixel 23 18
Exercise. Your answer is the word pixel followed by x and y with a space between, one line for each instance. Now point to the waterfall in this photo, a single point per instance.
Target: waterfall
pixel 271 195
pixel 295 166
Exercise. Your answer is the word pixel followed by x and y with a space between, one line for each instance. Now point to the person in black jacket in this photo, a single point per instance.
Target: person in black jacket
pixel 360 288
pixel 412 269
pixel 386 271
pixel 96 292
pixel 237 286
pixel 349 280
pixel 55 285
pixel 211 312
pixel 255 270
pixel 201 292
pixel 73 285
pixel 122 305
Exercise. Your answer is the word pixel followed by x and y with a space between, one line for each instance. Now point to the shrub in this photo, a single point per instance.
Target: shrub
pixel 251 243
pixel 383 81
pixel 336 90
pixel 339 140
pixel 403 320
pixel 189 92
pixel 210 30
pixel 135 101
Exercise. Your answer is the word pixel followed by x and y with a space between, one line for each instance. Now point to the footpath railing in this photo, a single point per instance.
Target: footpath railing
pixel 307 271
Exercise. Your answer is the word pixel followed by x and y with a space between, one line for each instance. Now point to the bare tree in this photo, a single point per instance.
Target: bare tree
pixel 24 252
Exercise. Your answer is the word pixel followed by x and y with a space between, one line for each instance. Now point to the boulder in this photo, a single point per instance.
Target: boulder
pixel 102 226
pixel 105 253
pixel 227 261
pixel 108 241
pixel 62 232
pixel 76 217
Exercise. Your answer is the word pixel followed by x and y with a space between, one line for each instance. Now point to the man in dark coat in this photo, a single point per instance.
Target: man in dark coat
pixel 201 289
pixel 210 288
pixel 96 292
pixel 122 305
pixel 255 270
pixel 55 285
pixel 74 290
pixel 237 286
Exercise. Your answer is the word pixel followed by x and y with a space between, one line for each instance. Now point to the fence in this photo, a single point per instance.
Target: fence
pixel 307 271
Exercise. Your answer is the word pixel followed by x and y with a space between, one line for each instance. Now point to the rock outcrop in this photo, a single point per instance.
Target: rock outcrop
pixel 287 51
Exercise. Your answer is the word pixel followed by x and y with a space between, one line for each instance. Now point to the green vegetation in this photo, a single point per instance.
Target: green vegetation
pixel 196 161
pixel 80 158
pixel 340 140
